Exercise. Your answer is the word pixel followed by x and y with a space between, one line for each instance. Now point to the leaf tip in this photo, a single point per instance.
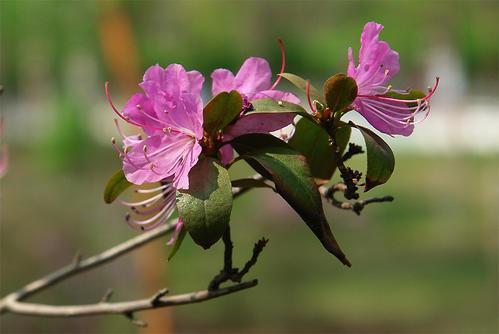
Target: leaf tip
pixel 370 184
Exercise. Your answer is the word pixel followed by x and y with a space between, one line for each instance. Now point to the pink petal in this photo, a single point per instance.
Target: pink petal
pixel 166 155
pixel 196 81
pixel 223 81
pixel 378 63
pixel 169 87
pixel 391 119
pixel 181 178
pixel 176 232
pixel 186 115
pixel 277 95
pixel 259 122
pixel 226 152
pixel 253 76
pixel 130 141
pixel 351 64
pixel 140 111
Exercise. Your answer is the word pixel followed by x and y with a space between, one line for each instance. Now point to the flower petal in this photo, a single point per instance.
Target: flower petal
pixel 176 232
pixel 169 87
pixel 391 119
pixel 186 115
pixel 181 179
pixel 259 122
pixel 163 156
pixel 226 152
pixel 196 81
pixel 378 63
pixel 253 76
pixel 140 111
pixel 222 81
pixel 277 95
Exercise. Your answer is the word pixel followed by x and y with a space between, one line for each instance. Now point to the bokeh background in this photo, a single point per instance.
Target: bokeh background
pixel 426 263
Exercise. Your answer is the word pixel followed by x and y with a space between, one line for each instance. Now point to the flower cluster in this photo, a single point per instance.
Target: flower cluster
pixel 180 133
pixel 170 114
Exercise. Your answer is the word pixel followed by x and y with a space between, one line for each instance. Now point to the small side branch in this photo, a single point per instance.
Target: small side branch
pixel 228 273
pixel 357 206
pixel 257 249
pixel 353 149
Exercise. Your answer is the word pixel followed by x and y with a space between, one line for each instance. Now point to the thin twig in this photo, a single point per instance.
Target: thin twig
pixel 107 296
pixel 353 149
pixel 357 207
pixel 257 249
pixel 229 273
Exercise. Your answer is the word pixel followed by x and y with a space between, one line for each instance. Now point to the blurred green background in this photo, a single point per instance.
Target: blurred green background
pixel 426 263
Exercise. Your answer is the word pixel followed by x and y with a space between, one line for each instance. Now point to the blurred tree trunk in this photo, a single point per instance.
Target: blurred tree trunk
pixel 122 60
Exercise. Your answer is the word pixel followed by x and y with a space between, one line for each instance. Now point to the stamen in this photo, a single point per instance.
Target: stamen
pixel 153 218
pixel 149 200
pixel 123 117
pixel 118 127
pixel 307 90
pixel 148 191
pixel 385 98
pixel 113 142
pixel 160 218
pixel 152 169
pixel 283 63
pixel 144 150
pixel 123 154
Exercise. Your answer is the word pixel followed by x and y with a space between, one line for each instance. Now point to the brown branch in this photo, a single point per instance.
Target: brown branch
pixel 12 302
pixel 350 177
pixel 125 308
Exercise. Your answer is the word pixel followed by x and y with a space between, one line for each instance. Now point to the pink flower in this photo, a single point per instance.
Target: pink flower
pixel 171 115
pixel 253 81
pixel 378 63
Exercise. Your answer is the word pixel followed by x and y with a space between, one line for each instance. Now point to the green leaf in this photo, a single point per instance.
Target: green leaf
pixel 340 91
pixel 178 243
pixel 115 186
pixel 313 142
pixel 221 110
pixel 301 83
pixel 380 159
pixel 250 183
pixel 293 181
pixel 269 105
pixel 205 207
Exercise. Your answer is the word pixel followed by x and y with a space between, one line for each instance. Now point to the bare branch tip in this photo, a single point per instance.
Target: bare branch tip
pixel 135 321
pixel 107 295
pixel 77 259
pixel 158 295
